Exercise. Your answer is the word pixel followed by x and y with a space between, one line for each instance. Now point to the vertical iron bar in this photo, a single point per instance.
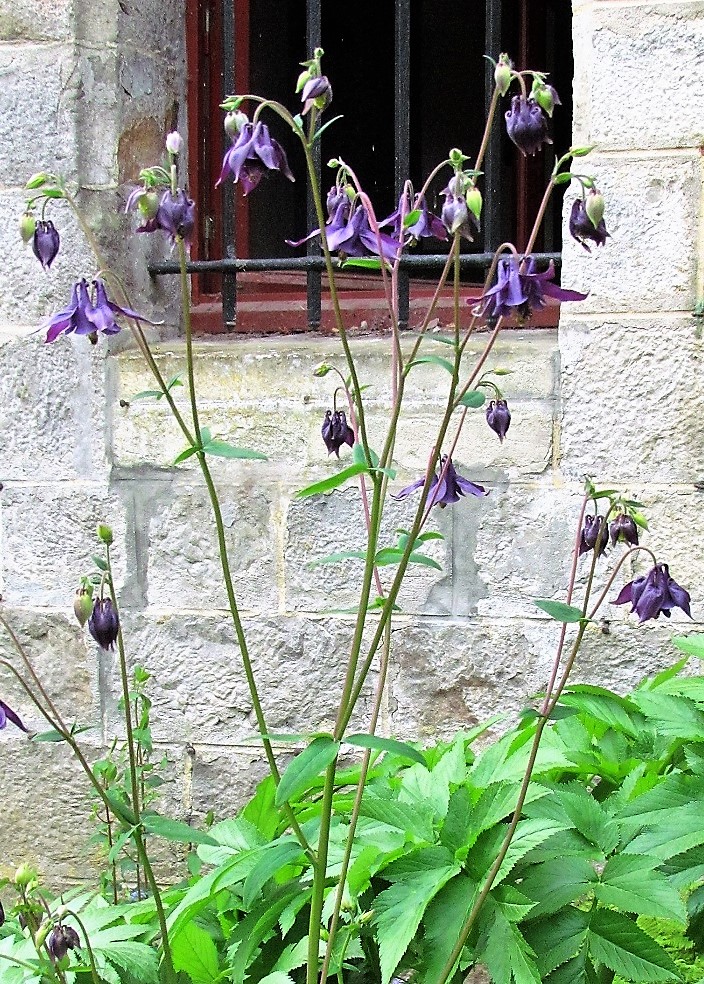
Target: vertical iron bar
pixel 493 226
pixel 314 17
pixel 229 280
pixel 402 127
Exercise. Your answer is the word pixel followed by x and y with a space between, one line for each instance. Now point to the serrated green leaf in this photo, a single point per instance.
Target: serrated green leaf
pixel 415 819
pixel 506 953
pixel 558 940
pixel 386 745
pixel 443 922
pixel 433 360
pixel 558 610
pixel 473 399
pixel 682 832
pixel 223 449
pixel 275 857
pixel 692 644
pixel 332 482
pixel 135 958
pixel 194 952
pixel 305 768
pixel 631 883
pixel 617 942
pixel 175 830
pixel 554 884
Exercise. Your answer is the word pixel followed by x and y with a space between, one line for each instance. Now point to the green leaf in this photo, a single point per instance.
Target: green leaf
pixel 53 193
pixel 338 558
pixel 222 449
pixel 473 399
pixel 392 555
pixel 120 807
pixel 55 736
pixel 332 482
pixel 386 745
pixel 365 262
pixel 305 768
pixel 399 909
pixel 558 610
pixel 630 882
pixel 433 360
pixel 322 129
pixel 195 952
pixel 146 394
pixel 558 940
pixel 443 922
pixel 137 959
pixel 692 644
pixel 187 453
pixel 359 457
pixel 617 942
pixel 412 818
pixel 99 562
pixel 506 953
pixel 175 830
pixel 275 857
pixel 529 834
pixel 554 884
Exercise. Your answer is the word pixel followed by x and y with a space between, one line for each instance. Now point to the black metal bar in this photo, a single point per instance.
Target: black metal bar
pixel 491 213
pixel 314 31
pixel 468 261
pixel 402 127
pixel 229 282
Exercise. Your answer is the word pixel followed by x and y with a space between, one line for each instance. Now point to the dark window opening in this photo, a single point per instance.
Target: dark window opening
pixel 447 82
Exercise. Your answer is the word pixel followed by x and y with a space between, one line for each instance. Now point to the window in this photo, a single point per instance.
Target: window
pixel 411 82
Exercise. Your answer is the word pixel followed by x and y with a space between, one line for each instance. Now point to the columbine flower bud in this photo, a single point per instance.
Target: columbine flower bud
pixel 25 875
pixel 498 417
pixel 502 73
pixel 234 122
pixel 105 534
pixel 83 605
pixel 527 125
pixel 545 95
pixel 594 207
pixel 104 624
pixel 623 528
pixel 45 243
pixel 62 939
pixel 174 142
pixel 474 201
pixel 28 225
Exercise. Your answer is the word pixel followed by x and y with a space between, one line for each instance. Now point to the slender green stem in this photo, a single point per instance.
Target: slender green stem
pixel 89 948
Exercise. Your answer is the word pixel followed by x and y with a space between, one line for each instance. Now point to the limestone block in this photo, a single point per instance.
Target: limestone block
pixel 632 402
pixel 29 20
pixel 52 410
pixel 199 689
pixel 649 263
pixel 184 567
pixel 48 539
pixel 633 47
pixel 36 132
pixel 61 655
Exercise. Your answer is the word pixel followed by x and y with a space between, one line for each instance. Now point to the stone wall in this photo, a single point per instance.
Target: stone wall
pixel 617 395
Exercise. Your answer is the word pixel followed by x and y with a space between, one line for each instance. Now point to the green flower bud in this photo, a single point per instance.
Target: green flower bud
pixel 502 73
pixel 474 201
pixel 234 122
pixel 594 207
pixel 148 204
pixel 545 96
pixel 28 227
pixel 83 605
pixel 25 875
pixel 105 534
pixel 42 933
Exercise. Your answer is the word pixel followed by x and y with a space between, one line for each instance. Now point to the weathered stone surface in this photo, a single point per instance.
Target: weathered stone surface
pixel 51 410
pixel 49 539
pixel 632 401
pixel 631 46
pixel 35 20
pixel 652 208
pixel 199 688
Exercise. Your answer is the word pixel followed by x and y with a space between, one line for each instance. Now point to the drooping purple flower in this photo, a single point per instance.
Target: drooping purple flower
pixel 85 316
pixel 426 225
pixel 445 490
pixel 623 527
pixel 176 215
pixel 527 125
pixel 522 292
pixel 336 431
pixel 45 243
pixel 654 595
pixel 582 227
pixel 104 623
pixel 349 233
pixel 7 714
pixel 456 216
pixel 60 940
pixel 253 153
pixel 593 533
pixel 317 92
pixel 498 417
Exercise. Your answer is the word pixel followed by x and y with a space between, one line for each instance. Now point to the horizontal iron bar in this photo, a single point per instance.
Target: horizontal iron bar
pixel 233 265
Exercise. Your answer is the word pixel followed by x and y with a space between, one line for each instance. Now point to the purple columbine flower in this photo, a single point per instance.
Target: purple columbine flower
pixel 336 431
pixel 176 215
pixel 253 153
pixel 498 417
pixel 7 714
pixel 446 490
pixel 654 595
pixel 348 231
pixel 87 316
pixel 593 532
pixel 104 624
pixel 317 92
pixel 426 225
pixel 582 227
pixel 527 125
pixel 623 527
pixel 60 940
pixel 456 216
pixel 523 292
pixel 45 243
